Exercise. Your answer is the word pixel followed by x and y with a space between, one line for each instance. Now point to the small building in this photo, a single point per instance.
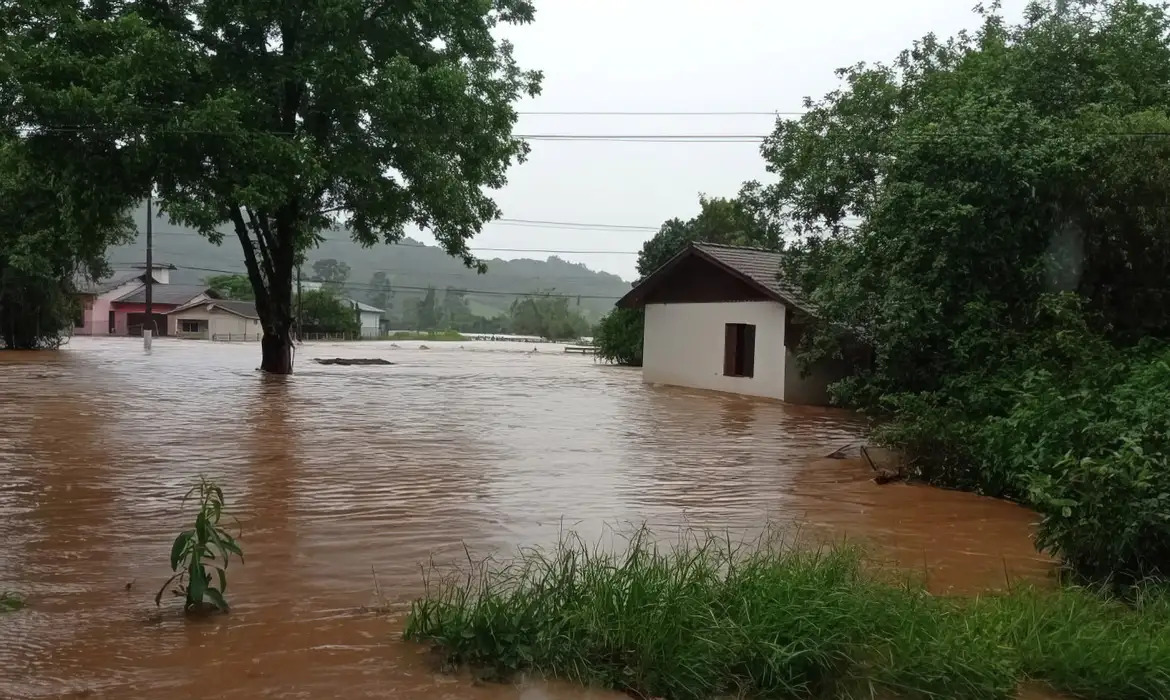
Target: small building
pixel 129 311
pixel 721 318
pixel 369 318
pixel 216 319
pixel 96 317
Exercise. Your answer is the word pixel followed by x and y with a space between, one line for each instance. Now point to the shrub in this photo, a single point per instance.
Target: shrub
pixel 10 601
pixel 198 552
pixel 619 337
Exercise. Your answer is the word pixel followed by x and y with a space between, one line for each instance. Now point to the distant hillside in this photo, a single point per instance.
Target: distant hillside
pixel 410 267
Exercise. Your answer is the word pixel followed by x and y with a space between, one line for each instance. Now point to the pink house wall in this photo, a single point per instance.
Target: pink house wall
pixel 121 325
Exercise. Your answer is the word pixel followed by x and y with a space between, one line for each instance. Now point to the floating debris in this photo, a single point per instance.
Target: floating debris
pixel 351 361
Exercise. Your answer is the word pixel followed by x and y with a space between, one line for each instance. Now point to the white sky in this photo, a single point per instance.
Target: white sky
pixel 677 55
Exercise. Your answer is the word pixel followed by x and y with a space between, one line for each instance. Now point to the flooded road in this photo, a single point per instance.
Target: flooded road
pixel 342 474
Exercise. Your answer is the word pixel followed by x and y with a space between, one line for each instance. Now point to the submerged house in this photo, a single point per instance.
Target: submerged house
pixel 720 317
pixel 97 315
pixel 216 319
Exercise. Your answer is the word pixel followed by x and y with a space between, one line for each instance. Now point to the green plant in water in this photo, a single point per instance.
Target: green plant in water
pixel 10 601
pixel 200 552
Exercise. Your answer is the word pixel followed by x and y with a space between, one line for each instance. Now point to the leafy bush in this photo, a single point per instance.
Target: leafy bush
pixel 198 552
pixel 1066 424
pixel 619 337
pixel 708 618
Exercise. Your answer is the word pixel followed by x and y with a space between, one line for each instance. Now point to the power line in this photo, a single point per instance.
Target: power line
pixel 394 287
pixel 551 251
pixel 620 113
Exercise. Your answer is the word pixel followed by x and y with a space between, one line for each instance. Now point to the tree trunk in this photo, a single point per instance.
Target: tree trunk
pixel 276 346
pixel 276 353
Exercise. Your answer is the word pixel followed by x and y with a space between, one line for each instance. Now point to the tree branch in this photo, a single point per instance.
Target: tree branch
pixel 258 282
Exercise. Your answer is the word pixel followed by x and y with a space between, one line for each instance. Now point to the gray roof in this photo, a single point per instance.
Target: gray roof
pixel 756 267
pixel 176 294
pixel 366 307
pixel 759 265
pixel 247 309
pixel 85 285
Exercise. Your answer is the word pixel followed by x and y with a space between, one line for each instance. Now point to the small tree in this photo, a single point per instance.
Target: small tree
pixel 231 286
pixel 322 312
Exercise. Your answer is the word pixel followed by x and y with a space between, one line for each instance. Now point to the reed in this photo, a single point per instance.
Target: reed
pixel 708 617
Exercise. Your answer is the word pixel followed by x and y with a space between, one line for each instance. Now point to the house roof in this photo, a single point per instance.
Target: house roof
pixel 176 294
pixel 366 307
pixel 84 285
pixel 246 309
pixel 756 267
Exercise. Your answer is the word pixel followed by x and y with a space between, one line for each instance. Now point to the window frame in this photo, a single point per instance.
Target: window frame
pixel 739 350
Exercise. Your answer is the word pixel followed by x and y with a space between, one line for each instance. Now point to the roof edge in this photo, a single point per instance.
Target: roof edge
pixel 631 301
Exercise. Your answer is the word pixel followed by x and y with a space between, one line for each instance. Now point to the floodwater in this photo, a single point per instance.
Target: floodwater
pixel 343 476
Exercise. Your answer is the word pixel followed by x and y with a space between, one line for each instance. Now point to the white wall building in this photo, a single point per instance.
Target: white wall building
pixel 719 318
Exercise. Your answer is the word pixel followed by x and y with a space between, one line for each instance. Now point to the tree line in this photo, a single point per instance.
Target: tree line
pixel 327 309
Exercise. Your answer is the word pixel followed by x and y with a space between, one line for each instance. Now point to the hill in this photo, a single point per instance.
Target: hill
pixel 409 266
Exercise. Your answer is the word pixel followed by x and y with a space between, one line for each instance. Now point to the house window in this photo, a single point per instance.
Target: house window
pixel 186 326
pixel 739 350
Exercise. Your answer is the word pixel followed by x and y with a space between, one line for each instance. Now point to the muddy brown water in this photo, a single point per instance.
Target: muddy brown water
pixel 339 471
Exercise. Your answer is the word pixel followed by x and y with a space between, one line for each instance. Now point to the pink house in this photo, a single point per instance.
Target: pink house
pixel 97 316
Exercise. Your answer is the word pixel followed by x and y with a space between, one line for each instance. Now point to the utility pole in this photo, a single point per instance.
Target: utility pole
pixel 299 303
pixel 148 324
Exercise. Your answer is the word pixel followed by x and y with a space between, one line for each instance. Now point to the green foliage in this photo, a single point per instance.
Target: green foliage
pixel 10 602
pixel 281 120
pixel 709 618
pixel 201 552
pixel 547 317
pixel 54 229
pixel 987 215
pixel 231 286
pixel 619 337
pixel 324 312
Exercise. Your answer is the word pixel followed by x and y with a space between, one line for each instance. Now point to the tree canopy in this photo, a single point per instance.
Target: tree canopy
pixel 54 229
pixel 989 214
pixel 281 120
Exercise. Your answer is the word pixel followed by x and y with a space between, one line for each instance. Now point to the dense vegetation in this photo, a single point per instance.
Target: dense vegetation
pixel 711 619
pixel 739 221
pixel 280 120
pixel 54 229
pixel 989 213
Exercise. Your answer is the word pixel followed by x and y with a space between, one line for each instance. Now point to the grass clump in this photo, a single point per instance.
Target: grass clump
pixel 708 618
pixel 10 601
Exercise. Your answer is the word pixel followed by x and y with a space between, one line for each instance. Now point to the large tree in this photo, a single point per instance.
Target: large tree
pixel 282 119
pixel 54 229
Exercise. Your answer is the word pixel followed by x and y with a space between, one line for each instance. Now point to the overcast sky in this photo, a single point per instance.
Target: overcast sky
pixel 676 55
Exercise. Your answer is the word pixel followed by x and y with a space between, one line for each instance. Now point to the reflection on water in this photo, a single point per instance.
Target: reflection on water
pixel 340 474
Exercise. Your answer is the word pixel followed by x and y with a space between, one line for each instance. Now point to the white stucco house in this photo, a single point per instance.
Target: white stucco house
pixel 720 318
pixel 216 319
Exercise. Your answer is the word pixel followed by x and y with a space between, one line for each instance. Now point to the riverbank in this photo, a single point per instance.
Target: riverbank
pixel 711 618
